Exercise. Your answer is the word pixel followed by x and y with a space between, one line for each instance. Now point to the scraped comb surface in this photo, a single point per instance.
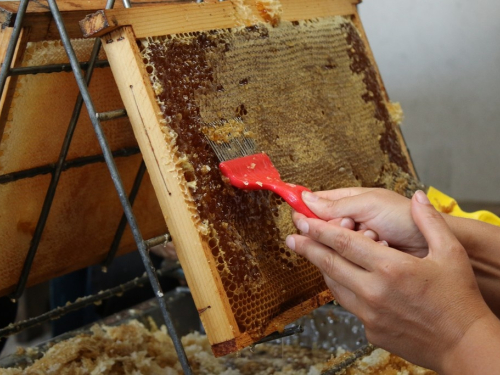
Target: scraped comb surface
pixel 230 139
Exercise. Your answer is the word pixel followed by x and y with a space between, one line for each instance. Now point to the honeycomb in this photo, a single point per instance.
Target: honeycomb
pixel 310 97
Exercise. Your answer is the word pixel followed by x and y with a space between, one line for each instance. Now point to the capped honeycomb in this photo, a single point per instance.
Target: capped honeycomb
pixel 310 98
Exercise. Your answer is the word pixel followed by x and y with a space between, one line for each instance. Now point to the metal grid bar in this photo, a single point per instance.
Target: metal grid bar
pixel 74 163
pixel 279 335
pixel 54 68
pixel 158 240
pixel 123 221
pixel 112 115
pixel 83 302
pixel 344 364
pixel 9 55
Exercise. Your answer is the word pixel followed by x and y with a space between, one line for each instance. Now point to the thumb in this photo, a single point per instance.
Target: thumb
pixel 431 224
pixel 326 209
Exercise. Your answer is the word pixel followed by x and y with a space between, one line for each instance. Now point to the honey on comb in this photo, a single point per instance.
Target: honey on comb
pixel 302 92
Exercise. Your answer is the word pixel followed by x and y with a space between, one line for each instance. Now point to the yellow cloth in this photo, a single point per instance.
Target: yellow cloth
pixel 444 203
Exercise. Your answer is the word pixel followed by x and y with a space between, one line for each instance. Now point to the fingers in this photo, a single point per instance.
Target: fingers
pixel 372 235
pixel 343 222
pixel 432 225
pixel 356 207
pixel 336 194
pixel 353 246
pixel 330 263
pixel 346 223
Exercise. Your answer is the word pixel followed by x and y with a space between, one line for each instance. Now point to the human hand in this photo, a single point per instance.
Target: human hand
pixel 382 211
pixel 418 308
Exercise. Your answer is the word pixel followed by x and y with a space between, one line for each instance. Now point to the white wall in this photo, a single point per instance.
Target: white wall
pixel 441 60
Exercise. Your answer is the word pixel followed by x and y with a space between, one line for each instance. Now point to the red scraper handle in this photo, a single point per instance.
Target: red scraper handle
pixel 257 172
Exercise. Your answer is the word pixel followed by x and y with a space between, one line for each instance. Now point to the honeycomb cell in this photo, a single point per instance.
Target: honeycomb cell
pixel 213 242
pixel 211 77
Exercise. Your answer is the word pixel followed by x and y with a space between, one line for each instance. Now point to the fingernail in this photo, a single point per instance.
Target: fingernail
pixel 383 243
pixel 308 196
pixel 303 226
pixel 347 223
pixel 370 234
pixel 421 197
pixel 290 242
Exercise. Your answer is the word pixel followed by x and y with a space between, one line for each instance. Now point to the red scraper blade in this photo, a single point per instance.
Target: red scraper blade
pixel 257 172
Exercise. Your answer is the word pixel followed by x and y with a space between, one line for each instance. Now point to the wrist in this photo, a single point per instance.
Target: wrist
pixel 462 228
pixel 475 236
pixel 477 350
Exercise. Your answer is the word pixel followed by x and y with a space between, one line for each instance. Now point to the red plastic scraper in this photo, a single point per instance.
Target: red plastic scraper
pixel 257 172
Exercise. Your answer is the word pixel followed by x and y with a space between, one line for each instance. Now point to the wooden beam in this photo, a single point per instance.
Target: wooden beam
pixel 10 84
pixel 181 18
pixel 5 35
pixel 40 23
pixel 9 8
pixel 81 224
pixel 194 254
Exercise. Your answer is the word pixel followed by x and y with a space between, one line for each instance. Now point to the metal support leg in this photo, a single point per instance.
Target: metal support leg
pixel 123 221
pixel 150 270
pixel 9 55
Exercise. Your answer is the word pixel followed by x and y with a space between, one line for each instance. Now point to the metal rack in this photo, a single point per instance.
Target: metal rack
pixel 107 156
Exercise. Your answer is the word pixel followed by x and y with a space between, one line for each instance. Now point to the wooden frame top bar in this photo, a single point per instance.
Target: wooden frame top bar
pixel 181 18
pixel 40 23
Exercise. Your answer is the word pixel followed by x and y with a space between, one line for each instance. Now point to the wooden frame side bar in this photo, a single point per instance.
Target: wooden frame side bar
pixel 138 97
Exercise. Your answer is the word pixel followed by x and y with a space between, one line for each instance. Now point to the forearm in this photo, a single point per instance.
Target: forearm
pixel 482 243
pixel 477 351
